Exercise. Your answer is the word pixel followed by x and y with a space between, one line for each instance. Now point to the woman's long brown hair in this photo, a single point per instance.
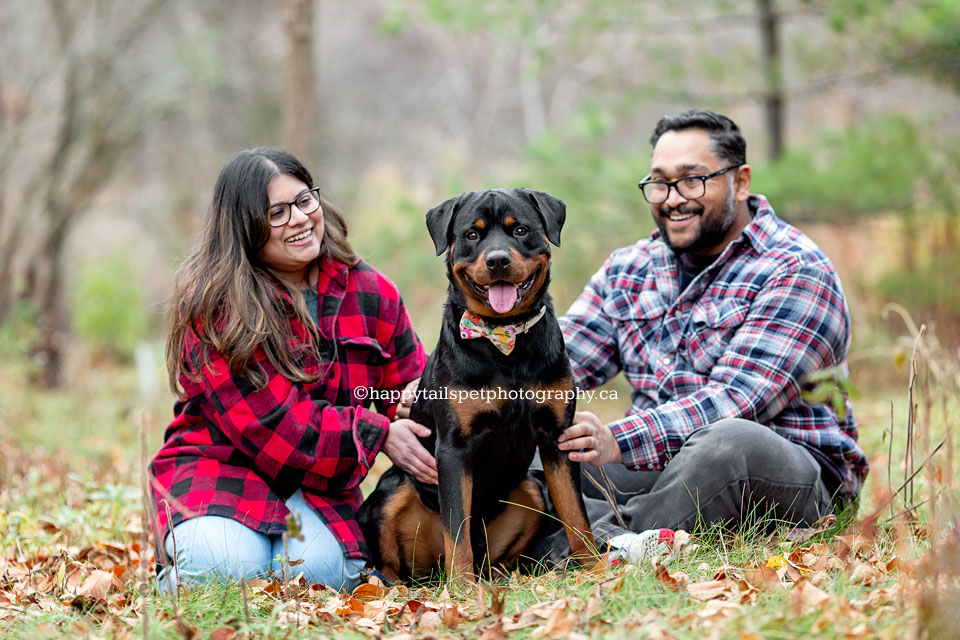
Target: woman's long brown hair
pixel 224 293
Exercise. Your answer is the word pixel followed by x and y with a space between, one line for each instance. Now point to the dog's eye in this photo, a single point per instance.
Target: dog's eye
pixel 520 231
pixel 472 235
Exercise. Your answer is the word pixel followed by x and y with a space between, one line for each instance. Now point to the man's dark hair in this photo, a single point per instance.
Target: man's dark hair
pixel 728 142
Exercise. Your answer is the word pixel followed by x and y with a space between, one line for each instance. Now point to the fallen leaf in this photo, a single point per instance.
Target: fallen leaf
pixel 718 609
pixel 451 617
pixel 430 621
pixel 369 591
pixel 708 590
pixel 762 576
pixel 496 601
pixel 494 632
pixel 864 574
pixel 660 573
pixel 98 584
pixel 594 608
pixel 807 597
pixel 558 625
pixel 613 585
pixel 223 633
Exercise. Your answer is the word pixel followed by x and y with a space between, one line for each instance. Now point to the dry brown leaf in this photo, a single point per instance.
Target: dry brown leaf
pixel 708 590
pixel 661 574
pixel 559 625
pixel 430 621
pixel 803 534
pixel 613 585
pixel 496 601
pixel 807 597
pixel 368 625
pixel 762 576
pixel 751 636
pixel 369 591
pixel 594 608
pixel 494 632
pixel 98 584
pixel 451 617
pixel 718 609
pixel 864 574
pixel 223 633
pixel 747 592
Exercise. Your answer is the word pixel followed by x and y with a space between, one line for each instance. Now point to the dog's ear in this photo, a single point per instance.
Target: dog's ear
pixel 552 212
pixel 438 222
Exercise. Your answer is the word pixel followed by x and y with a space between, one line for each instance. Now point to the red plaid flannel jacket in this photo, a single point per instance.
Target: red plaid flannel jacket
pixel 238 452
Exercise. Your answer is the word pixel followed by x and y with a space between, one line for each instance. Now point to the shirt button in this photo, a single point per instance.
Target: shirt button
pixel 665 361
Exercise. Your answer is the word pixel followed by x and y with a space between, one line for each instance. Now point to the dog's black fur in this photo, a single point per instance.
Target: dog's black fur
pixel 483 450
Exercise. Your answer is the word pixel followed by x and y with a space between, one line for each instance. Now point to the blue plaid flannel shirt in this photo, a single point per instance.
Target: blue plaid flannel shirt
pixel 736 343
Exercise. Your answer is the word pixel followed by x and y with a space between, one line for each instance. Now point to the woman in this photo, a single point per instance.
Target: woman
pixel 280 333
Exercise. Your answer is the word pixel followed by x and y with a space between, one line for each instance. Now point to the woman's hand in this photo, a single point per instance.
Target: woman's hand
pixel 589 440
pixel 403 448
pixel 408 396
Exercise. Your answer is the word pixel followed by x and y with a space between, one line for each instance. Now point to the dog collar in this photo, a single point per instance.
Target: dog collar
pixel 503 336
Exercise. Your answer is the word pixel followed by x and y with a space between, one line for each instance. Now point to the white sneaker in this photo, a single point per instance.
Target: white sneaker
pixel 637 547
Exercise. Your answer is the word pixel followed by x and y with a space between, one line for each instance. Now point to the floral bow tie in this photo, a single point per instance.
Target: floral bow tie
pixel 503 336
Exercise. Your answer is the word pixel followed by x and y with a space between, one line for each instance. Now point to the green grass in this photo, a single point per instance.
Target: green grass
pixel 69 477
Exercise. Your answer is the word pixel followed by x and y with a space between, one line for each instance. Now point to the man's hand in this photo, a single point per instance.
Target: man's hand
pixel 595 438
pixel 408 396
pixel 403 448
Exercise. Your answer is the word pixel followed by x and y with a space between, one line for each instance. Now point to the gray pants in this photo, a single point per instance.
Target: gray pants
pixel 732 471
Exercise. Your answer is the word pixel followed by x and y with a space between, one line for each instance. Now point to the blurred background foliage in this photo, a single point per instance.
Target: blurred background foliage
pixel 112 134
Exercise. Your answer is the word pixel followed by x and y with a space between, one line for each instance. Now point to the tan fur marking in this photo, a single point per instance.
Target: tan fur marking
pixel 411 536
pixel 480 223
pixel 520 269
pixel 467 408
pixel 509 221
pixel 511 532
pixel 560 484
pixel 460 558
pixel 557 395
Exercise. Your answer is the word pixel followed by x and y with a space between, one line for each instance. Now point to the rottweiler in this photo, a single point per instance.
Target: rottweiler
pixel 497 386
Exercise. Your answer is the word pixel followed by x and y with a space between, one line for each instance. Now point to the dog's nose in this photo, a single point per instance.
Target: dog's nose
pixel 498 259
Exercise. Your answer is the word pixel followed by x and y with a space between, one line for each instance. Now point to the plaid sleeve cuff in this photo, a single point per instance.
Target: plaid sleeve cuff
pixel 636 446
pixel 370 432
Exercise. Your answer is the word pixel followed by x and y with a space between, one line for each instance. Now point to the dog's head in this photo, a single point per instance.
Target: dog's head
pixel 499 251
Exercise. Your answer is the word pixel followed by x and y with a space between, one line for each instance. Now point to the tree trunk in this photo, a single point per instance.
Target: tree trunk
pixel 299 102
pixel 773 100
pixel 52 322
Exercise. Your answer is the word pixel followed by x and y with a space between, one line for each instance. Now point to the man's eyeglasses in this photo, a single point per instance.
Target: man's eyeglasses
pixel 307 202
pixel 689 188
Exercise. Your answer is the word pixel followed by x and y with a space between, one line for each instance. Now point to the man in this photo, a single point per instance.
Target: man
pixel 716 319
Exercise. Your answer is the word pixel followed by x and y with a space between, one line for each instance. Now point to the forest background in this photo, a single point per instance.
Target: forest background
pixel 116 116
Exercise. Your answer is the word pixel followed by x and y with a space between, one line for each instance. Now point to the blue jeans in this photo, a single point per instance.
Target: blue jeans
pixel 214 547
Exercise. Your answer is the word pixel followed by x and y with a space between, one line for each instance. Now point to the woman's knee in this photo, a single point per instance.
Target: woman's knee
pixel 213 547
pixel 320 551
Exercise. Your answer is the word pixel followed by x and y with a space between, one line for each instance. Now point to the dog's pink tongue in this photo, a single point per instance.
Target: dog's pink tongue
pixel 502 296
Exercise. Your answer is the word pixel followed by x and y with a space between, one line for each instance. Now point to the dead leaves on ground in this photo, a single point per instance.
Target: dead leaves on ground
pixel 97 580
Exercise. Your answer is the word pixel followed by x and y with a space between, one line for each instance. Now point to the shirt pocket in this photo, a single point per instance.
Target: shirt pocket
pixel 363 350
pixel 637 319
pixel 712 326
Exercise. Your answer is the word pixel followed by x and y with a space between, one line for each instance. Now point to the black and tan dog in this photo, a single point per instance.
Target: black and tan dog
pixel 497 386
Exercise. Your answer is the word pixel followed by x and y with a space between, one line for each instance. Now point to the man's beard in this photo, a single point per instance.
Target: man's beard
pixel 712 230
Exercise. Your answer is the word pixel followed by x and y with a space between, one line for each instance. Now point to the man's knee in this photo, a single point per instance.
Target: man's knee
pixel 732 450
